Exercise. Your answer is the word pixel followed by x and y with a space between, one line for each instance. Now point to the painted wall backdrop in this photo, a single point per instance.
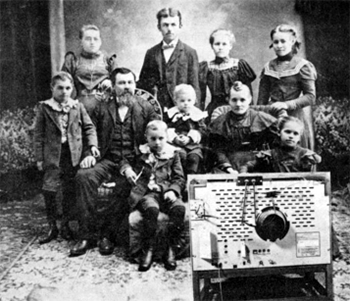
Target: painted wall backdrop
pixel 129 27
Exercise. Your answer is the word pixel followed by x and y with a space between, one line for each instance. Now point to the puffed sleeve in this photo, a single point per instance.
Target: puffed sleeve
pixel 70 63
pixel 112 63
pixel 246 74
pixel 264 89
pixel 203 73
pixel 308 76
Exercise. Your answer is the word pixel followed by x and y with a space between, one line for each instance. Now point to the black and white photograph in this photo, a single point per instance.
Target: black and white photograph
pixel 174 150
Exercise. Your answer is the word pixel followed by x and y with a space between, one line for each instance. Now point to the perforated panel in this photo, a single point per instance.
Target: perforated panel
pixel 217 209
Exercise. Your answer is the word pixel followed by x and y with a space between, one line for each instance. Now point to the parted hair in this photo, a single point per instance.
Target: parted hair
pixel 87 27
pixel 285 119
pixel 121 70
pixel 169 12
pixel 62 75
pixel 227 32
pixel 156 125
pixel 291 30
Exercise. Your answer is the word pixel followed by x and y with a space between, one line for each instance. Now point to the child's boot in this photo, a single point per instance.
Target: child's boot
pixel 147 256
pixel 52 234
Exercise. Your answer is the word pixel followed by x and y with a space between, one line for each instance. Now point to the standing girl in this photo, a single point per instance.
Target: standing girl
pixel 90 69
pixel 288 82
pixel 220 74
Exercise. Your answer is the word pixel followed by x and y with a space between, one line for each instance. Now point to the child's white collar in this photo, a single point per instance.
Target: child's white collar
pixel 65 107
pixel 167 153
pixel 194 114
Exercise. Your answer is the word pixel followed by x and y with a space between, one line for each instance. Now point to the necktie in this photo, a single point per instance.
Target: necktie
pixel 167 46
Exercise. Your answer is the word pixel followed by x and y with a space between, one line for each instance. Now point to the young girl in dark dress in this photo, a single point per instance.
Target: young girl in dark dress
pixel 90 69
pixel 223 71
pixel 288 82
pixel 288 156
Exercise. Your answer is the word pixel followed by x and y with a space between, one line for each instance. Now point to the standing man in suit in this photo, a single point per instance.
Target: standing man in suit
pixel 170 62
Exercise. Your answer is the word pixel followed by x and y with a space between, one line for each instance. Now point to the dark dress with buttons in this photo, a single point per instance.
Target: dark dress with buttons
pixel 292 81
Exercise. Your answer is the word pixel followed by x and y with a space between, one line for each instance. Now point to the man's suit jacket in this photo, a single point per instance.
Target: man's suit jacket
pixel 48 134
pixel 182 68
pixel 104 118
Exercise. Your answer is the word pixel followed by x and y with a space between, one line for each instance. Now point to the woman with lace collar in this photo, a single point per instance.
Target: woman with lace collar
pixel 288 81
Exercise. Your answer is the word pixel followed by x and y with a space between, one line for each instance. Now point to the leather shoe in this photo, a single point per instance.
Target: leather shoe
pixel 80 248
pixel 66 232
pixel 146 260
pixel 169 260
pixel 53 233
pixel 105 246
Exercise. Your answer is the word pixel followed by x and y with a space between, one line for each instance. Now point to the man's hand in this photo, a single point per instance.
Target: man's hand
pixel 232 171
pixel 39 165
pixel 170 195
pixel 95 152
pixel 131 176
pixel 88 162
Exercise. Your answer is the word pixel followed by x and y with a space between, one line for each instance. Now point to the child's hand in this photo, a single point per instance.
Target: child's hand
pixel 131 176
pixel 95 152
pixel 88 162
pixel 39 165
pixel 170 196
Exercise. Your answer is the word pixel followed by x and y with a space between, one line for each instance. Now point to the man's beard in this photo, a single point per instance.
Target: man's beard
pixel 125 99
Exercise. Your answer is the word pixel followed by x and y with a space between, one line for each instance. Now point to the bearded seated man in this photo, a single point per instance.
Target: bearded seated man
pixel 120 124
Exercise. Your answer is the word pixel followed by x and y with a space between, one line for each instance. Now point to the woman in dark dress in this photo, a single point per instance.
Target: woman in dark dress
pixel 236 136
pixel 90 69
pixel 219 75
pixel 288 82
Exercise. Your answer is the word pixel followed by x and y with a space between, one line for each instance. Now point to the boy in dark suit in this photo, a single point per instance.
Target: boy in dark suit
pixel 170 62
pixel 62 124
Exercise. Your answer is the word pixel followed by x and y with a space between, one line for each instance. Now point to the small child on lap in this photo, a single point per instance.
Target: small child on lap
pixel 186 127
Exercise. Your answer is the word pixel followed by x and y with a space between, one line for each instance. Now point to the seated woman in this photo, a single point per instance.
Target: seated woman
pixel 236 136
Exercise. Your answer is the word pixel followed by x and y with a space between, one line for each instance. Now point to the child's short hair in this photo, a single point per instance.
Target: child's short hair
pixel 62 75
pixel 156 125
pixel 227 32
pixel 285 119
pixel 239 86
pixel 87 27
pixel 169 12
pixel 184 88
pixel 291 30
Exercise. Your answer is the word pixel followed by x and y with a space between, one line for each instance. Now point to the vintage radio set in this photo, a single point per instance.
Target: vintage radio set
pixel 253 222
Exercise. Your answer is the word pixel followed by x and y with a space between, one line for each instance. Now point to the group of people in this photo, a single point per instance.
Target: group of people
pixel 111 132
